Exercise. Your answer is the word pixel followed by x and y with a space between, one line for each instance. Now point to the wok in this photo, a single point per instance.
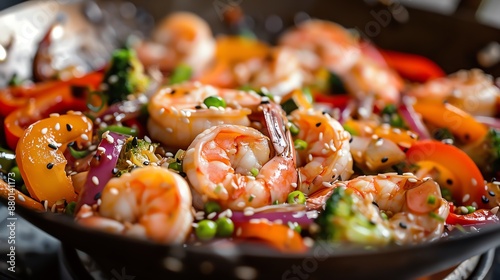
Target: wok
pixel 451 41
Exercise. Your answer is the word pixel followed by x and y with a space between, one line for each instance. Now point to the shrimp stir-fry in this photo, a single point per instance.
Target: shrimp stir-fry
pixel 316 137
pixel 239 166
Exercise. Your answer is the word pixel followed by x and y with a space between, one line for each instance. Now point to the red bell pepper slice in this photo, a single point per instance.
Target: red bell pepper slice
pixel 15 97
pixel 413 67
pixel 478 217
pixel 59 100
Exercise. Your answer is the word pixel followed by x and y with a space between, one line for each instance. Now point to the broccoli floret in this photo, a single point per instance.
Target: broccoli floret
pixel 124 76
pixel 135 153
pixel 486 153
pixel 345 220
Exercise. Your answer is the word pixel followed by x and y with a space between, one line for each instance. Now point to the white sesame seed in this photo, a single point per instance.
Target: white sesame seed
pixel 320 137
pixel 465 198
pixel 44 130
pixel 382 176
pixel 54 115
pixel 129 162
pixel 147 139
pixel 326 184
pixel 494 210
pixel 110 139
pixel 310 157
pixel 95 180
pixel 21 198
pixel 408 174
pixel 169 129
pixel 412 180
pixel 294 185
pixel 109 157
pixel 169 154
pixel 240 204
pixel 474 204
pixel 211 215
pixel 102 149
pixel 107 118
pixel 248 212
pixel 238 231
pixel 84 137
pixel 473 182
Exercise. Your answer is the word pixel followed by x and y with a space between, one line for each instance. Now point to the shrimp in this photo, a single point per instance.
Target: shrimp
pixel 235 165
pixel 471 90
pixel 327 156
pixel 415 208
pixel 149 202
pixel 179 38
pixel 280 74
pixel 322 43
pixel 329 45
pixel 177 114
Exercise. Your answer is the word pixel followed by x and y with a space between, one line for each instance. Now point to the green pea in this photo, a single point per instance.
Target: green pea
pixel 206 229
pixel 225 227
pixel 300 144
pixel 296 197
pixel 294 130
pixel 254 171
pixel 214 101
pixel 211 207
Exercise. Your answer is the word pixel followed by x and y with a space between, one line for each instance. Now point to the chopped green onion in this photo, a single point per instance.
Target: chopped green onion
pixel 70 208
pixel 295 226
pixel 446 194
pixel 211 207
pixel 289 106
pixel 206 229
pixel 102 100
pixel 300 144
pixel 177 166
pixel 7 160
pixel 225 227
pixel 431 199
pixel 276 202
pixel 251 197
pixel 181 74
pixel 15 81
pixel 294 130
pixel 218 188
pixel 308 94
pixel 336 84
pixel 214 101
pixel 120 129
pixel 254 171
pixel 384 216
pixel 436 216
pixel 76 153
pixel 296 197
pixel 470 209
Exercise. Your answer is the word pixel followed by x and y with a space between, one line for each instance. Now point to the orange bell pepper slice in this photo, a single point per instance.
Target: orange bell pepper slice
pixel 470 186
pixel 39 155
pixel 15 97
pixel 460 123
pixel 279 236
pixel 235 49
pixel 411 66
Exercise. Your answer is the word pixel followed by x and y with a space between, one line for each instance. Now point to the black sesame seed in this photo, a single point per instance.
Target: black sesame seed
pixel 183 174
pixel 50 165
pixel 350 140
pixel 145 162
pixel 372 222
pixel 449 181
pixel 134 142
pixel 318 124
pixel 484 199
pixel 97 157
pixel 374 203
pixel 491 193
pixel 265 102
pixel 114 171
pixel 178 160
pixel 97 196
pixel 197 107
pixel 324 112
pixel 173 91
pixel 52 146
pixel 68 127
pixel 467 136
pixel 402 225
pixel 384 159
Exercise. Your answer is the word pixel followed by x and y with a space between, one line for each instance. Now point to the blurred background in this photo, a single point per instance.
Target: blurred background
pixel 471 28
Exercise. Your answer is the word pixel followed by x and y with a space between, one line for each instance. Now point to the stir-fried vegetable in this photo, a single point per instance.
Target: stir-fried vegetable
pixel 135 153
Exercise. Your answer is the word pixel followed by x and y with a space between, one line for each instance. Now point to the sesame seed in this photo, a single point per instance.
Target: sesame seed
pixel 465 198
pixel 147 139
pixel 95 180
pixel 412 180
pixel 52 146
pixel 211 215
pixel 382 176
pixel 84 137
pixel 407 174
pixel 110 139
pixel 240 204
pixel 238 231
pixel 473 182
pixel 491 193
pixel 327 184
pixel 54 115
pixel 449 181
pixel 318 124
pixel 21 198
pixel 379 142
pixel 403 225
pixel 294 185
pixel 50 165
pixel 45 204
pixel 310 157
pixel 44 130
pixel 384 159
pixel 484 199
